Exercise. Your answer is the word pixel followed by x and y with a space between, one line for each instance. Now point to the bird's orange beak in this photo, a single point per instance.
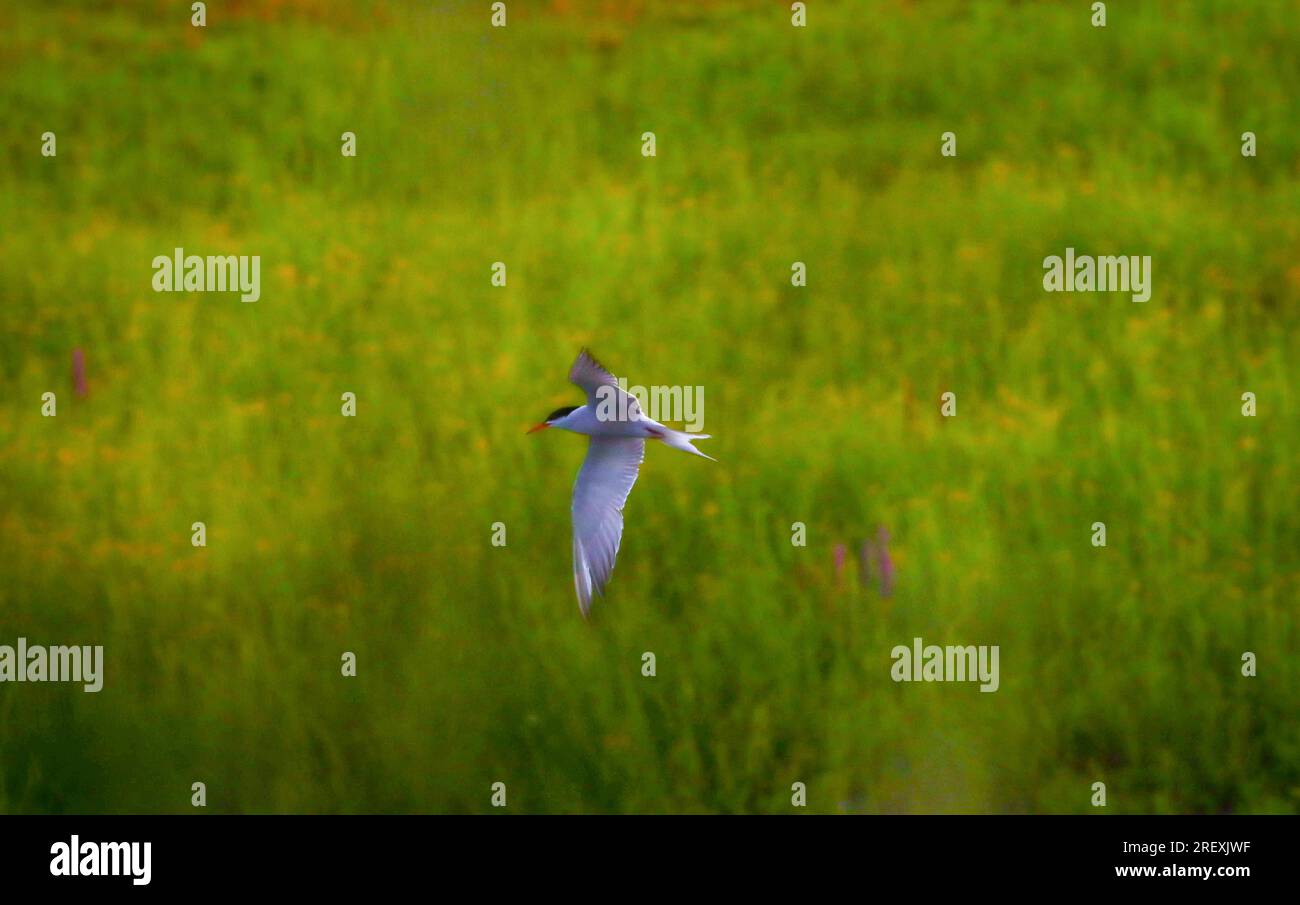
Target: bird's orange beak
pixel 538 427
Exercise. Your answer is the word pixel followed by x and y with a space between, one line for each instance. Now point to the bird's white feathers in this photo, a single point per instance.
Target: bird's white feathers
pixel 682 441
pixel 591 375
pixel 599 494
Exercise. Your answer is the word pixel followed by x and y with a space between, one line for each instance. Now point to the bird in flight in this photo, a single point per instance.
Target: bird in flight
pixel 618 429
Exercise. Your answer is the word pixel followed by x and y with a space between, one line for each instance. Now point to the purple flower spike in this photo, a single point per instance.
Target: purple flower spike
pixel 839 561
pixel 885 564
pixel 79 372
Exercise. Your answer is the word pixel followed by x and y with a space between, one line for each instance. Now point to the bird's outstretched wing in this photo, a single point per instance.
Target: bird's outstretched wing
pixel 604 481
pixel 590 374
pixel 612 404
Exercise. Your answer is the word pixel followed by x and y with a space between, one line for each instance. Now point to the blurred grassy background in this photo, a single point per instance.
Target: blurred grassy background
pixel 775 144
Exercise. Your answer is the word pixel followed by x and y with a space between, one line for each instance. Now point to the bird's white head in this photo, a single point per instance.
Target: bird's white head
pixel 556 417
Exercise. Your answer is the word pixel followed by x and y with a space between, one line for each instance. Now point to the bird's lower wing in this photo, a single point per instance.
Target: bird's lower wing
pixel 603 484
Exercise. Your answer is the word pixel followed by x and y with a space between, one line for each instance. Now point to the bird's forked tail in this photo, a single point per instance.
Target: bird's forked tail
pixel 682 441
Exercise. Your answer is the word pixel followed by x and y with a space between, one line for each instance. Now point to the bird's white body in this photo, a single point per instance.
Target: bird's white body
pixel 584 420
pixel 614 456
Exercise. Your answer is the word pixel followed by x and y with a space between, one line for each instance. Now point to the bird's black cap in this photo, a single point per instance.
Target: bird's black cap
pixel 561 412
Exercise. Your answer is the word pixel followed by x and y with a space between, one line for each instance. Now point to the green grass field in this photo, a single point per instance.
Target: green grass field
pixel 775 144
